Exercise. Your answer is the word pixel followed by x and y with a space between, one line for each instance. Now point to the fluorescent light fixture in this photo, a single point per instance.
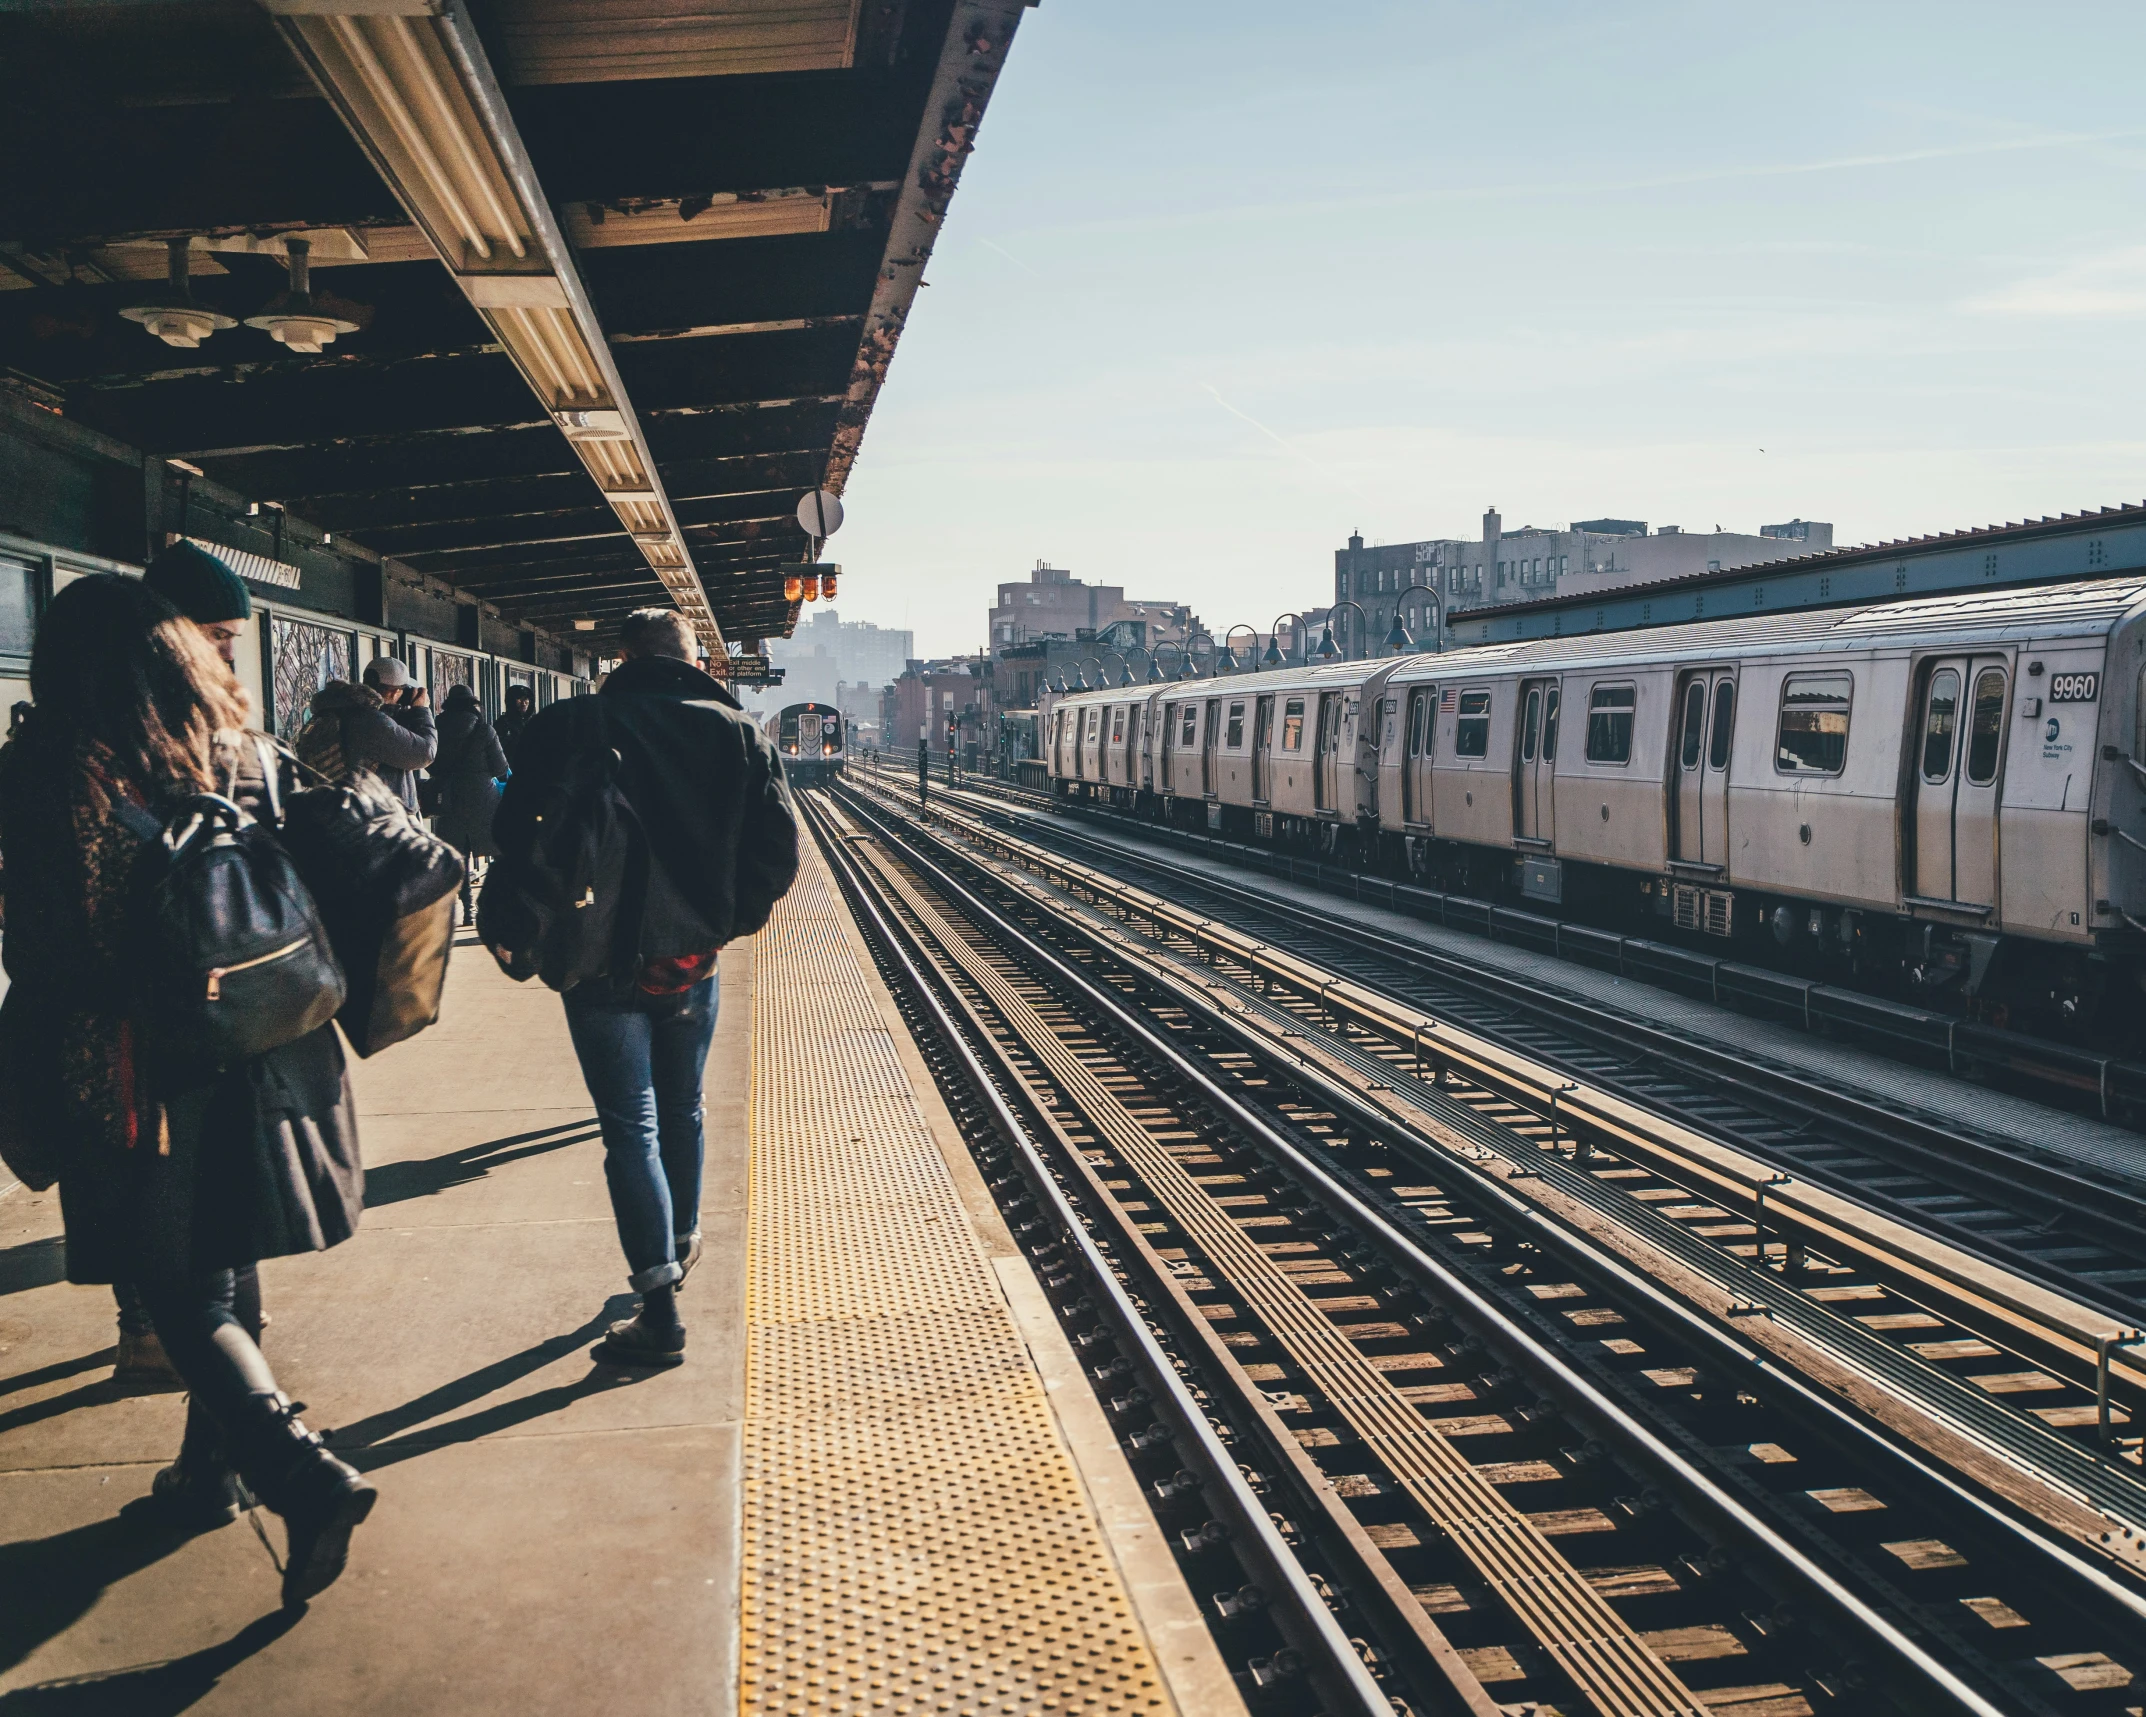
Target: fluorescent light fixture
pixel 411 81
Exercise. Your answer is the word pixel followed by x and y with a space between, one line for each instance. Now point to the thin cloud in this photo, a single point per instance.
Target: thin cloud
pixel 1287 445
pixel 2101 286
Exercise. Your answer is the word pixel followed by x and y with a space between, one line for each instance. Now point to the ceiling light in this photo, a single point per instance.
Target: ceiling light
pixel 584 625
pixel 598 425
pixel 179 320
pixel 294 317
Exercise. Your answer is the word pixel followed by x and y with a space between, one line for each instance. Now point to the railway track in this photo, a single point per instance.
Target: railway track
pixel 1419 1441
pixel 2052 1072
pixel 2037 1213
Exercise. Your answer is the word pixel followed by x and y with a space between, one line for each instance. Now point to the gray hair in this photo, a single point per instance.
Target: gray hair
pixel 658 632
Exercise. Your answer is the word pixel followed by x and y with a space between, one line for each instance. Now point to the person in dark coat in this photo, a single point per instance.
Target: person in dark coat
pixel 382 724
pixel 177 1176
pixel 708 796
pixel 468 767
pixel 521 704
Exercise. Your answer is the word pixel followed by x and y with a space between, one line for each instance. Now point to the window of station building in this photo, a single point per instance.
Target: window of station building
pixel 18 607
pixel 1812 738
pixel 1293 725
pixel 1233 738
pixel 1609 723
pixel 1985 739
pixel 1471 726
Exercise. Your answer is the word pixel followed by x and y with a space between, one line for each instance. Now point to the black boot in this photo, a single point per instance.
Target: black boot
pixel 199 1491
pixel 322 1500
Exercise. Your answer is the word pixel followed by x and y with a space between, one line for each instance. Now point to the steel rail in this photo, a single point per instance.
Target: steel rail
pixel 2114 1214
pixel 1628 1429
pixel 2049 1064
pixel 2058 1327
pixel 1254 1524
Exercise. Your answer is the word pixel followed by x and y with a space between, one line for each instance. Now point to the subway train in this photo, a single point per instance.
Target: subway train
pixel 811 739
pixel 1942 797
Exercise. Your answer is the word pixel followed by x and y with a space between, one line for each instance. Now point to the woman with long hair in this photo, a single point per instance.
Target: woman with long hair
pixel 174 1176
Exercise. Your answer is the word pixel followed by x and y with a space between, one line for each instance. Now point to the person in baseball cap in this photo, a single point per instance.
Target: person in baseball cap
pixel 204 589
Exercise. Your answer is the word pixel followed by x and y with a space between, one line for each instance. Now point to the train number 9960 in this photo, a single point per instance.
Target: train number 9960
pixel 2074 688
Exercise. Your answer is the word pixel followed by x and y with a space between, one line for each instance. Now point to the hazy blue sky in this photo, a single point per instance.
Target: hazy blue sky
pixel 1223 281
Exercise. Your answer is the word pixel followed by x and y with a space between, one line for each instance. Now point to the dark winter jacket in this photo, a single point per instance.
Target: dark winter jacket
pixel 701 777
pixel 163 1167
pixel 469 760
pixel 510 726
pixel 353 728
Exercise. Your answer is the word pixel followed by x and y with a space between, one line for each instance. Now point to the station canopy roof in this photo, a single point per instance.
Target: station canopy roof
pixel 598 288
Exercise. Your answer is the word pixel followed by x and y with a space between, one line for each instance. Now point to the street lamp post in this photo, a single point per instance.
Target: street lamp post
pixel 1155 674
pixel 1274 657
pixel 1228 657
pixel 1186 671
pixel 1327 651
pixel 1397 639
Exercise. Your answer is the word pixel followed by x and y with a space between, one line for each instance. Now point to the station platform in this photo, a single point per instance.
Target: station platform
pixel 879 1483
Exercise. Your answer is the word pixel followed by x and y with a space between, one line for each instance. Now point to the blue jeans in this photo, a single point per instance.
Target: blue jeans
pixel 644 1069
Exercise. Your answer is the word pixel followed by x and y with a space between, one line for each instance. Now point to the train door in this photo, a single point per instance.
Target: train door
pixel 1534 807
pixel 1208 739
pixel 1326 747
pixel 1959 756
pixel 1416 755
pixel 1263 752
pixel 1706 731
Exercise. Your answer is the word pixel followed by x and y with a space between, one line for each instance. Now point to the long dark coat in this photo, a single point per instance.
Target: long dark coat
pixel 163 1168
pixel 469 760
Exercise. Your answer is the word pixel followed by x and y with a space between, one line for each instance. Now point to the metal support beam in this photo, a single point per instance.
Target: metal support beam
pixel 411 81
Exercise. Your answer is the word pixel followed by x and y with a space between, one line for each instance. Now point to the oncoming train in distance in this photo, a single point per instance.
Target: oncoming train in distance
pixel 1943 797
pixel 811 740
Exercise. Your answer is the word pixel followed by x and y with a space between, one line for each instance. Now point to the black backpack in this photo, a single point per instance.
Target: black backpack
pixel 587 900
pixel 235 960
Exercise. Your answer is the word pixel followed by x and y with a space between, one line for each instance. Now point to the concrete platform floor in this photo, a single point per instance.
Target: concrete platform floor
pixel 879 1483
pixel 552 1535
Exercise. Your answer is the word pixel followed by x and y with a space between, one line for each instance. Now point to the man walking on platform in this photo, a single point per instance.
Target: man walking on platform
pixel 643 828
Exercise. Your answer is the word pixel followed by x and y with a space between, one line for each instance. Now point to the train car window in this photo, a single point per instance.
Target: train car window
pixel 1694 723
pixel 1609 723
pixel 1471 727
pixel 1985 739
pixel 1117 724
pixel 1938 722
pixel 1531 724
pixel 1233 739
pixel 1717 754
pixel 1549 724
pixel 1189 731
pixel 1419 711
pixel 1293 725
pixel 1812 738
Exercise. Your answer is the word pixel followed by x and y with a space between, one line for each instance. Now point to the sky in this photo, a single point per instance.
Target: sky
pixel 1222 283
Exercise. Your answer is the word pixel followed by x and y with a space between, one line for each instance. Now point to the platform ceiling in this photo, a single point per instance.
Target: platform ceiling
pixel 742 185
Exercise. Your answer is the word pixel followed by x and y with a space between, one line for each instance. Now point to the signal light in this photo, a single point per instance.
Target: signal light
pixel 827 585
pixel 812 588
pixel 793 588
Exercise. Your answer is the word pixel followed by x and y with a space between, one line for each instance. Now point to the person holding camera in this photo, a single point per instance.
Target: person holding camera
pixel 382 724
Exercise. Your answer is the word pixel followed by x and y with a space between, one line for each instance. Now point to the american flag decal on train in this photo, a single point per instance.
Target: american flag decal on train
pixel 1446 701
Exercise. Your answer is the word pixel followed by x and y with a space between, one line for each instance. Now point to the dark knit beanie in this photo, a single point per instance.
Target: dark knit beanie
pixel 198 584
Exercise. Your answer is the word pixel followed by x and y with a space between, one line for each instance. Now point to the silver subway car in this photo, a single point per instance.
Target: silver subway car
pixel 1945 795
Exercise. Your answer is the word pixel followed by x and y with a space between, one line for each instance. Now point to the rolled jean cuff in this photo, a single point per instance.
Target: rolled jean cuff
pixel 656 1276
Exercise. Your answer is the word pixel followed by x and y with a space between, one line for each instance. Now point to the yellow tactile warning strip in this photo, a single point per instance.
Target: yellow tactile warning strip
pixel 1605 1658
pixel 916 1536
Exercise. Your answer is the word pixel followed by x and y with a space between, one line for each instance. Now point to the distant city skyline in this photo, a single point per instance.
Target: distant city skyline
pixel 1208 301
